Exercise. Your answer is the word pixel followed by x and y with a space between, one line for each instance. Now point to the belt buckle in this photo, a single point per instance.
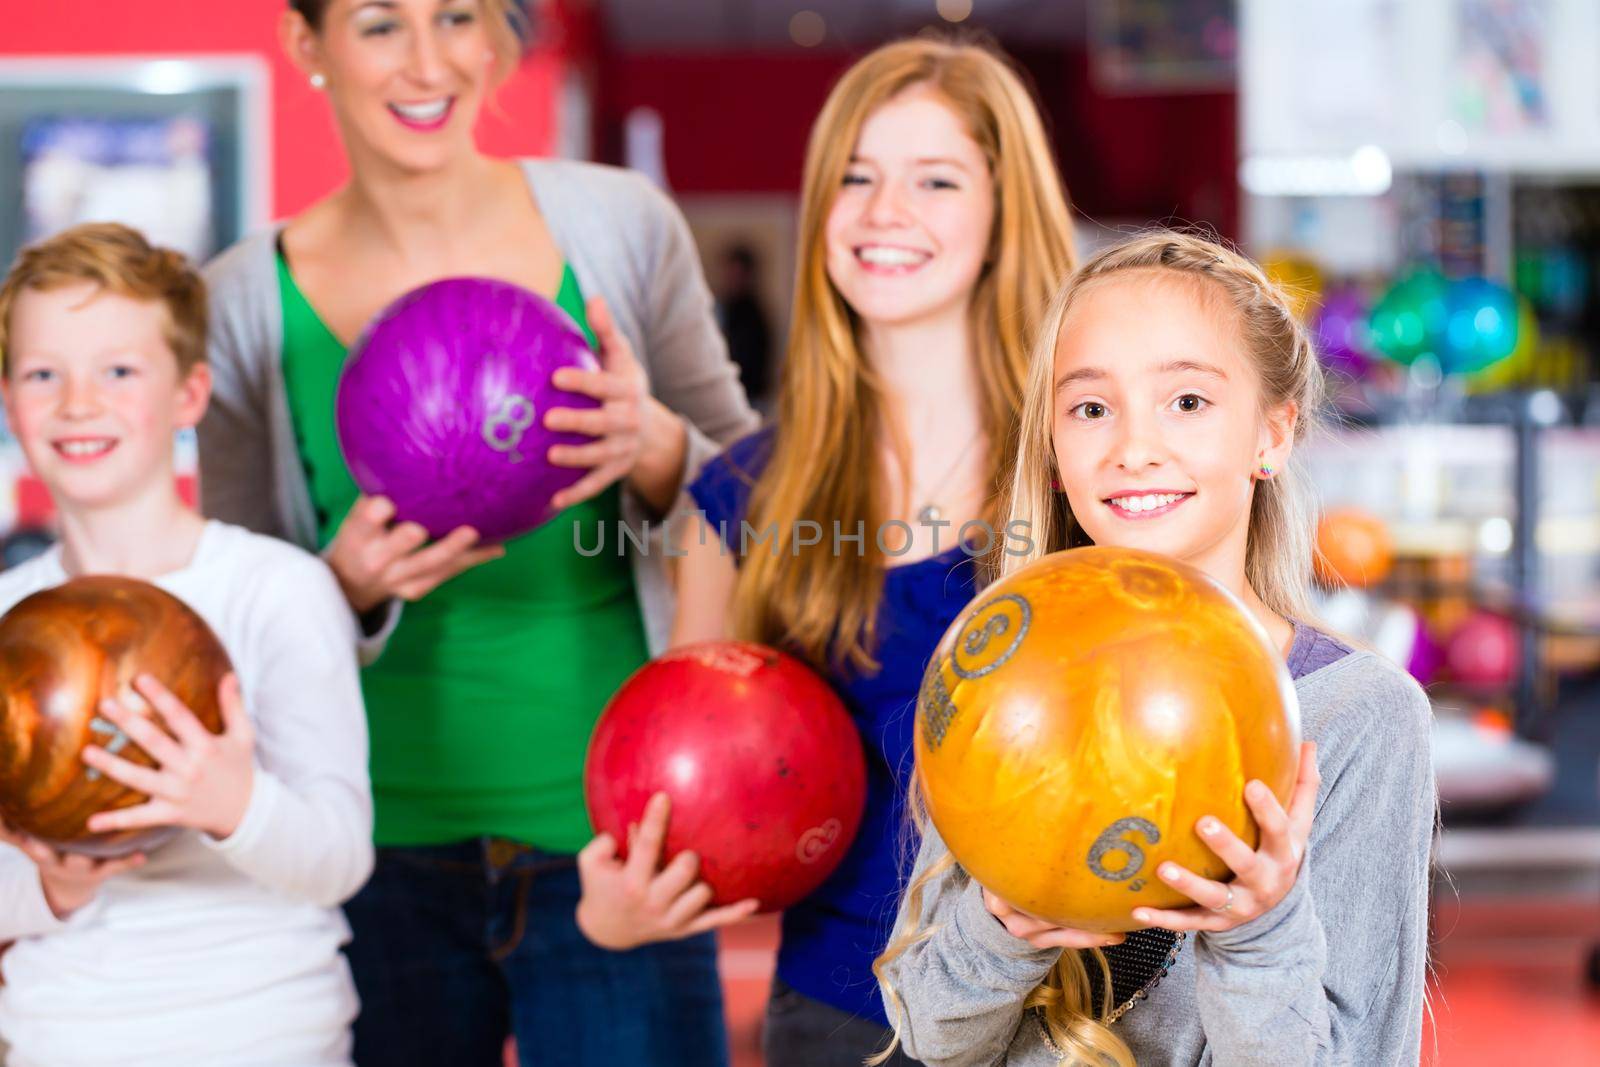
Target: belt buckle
pixel 503 851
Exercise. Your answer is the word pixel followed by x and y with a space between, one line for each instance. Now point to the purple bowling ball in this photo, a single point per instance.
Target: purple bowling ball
pixel 441 407
pixel 1341 333
pixel 1426 656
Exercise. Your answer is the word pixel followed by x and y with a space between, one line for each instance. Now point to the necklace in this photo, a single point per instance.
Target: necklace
pixel 929 511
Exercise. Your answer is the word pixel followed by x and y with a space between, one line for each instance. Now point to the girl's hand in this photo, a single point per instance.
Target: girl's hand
pixel 375 562
pixel 630 902
pixel 1041 934
pixel 201 780
pixel 1263 877
pixel 69 881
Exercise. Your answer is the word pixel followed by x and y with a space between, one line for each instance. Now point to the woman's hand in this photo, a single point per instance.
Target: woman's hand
pixel 69 881
pixel 636 437
pixel 201 780
pixel 1263 876
pixel 375 561
pixel 1041 934
pixel 632 902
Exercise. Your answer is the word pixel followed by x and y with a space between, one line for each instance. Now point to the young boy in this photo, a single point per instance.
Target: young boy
pixel 222 946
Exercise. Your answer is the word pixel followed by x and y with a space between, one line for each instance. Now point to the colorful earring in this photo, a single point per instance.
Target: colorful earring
pixel 1266 470
pixel 319 81
pixel 1055 485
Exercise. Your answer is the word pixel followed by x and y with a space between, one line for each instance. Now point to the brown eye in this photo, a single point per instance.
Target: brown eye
pixel 1189 403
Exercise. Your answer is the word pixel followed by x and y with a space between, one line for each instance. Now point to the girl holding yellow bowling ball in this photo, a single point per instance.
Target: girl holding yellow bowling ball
pixel 1165 398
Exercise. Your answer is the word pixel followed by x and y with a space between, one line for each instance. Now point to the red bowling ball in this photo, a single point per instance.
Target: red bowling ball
pixel 1485 652
pixel 760 758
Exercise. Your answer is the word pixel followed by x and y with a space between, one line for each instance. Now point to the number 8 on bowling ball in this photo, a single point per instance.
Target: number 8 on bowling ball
pixel 62 652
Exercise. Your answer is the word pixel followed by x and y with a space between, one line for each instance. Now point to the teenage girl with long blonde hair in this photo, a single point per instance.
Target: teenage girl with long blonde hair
pixel 1169 387
pixel 933 228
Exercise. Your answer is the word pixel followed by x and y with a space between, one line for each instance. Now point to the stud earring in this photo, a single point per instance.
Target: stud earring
pixel 1266 470
pixel 319 81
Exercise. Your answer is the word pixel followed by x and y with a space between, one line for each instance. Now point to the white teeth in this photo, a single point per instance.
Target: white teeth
pixel 85 448
pixel 1146 501
pixel 880 255
pixel 423 112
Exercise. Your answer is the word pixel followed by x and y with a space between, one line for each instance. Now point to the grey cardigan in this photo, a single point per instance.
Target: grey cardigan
pixel 1333 975
pixel 626 241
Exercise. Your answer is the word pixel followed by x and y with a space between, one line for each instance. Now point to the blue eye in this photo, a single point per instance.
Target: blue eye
pixel 122 370
pixel 38 375
pixel 941 183
pixel 1089 409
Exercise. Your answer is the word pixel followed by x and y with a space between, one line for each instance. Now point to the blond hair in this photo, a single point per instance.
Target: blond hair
pixel 832 410
pixel 118 260
pixel 1277 559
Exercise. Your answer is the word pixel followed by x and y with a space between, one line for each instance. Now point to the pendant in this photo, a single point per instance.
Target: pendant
pixel 929 513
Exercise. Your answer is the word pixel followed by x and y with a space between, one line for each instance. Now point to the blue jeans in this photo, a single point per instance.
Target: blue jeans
pixel 457 946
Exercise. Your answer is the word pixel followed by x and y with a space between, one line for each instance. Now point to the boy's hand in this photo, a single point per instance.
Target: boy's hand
pixel 69 881
pixel 375 561
pixel 201 780
pixel 634 901
pixel 1041 934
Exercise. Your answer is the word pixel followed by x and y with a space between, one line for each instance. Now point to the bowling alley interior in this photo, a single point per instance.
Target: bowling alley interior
pixel 1420 178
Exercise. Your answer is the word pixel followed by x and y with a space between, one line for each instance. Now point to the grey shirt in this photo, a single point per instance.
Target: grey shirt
pixel 626 241
pixel 1334 974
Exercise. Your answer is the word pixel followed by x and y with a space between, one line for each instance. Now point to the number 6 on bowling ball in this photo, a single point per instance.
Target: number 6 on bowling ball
pixel 65 650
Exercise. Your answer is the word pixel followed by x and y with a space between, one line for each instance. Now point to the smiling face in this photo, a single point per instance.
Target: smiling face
pixel 94 396
pixel 406 78
pixel 909 228
pixel 1158 422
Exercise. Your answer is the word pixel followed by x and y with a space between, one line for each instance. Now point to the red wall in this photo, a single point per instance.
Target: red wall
pixel 734 121
pixel 739 122
pixel 307 161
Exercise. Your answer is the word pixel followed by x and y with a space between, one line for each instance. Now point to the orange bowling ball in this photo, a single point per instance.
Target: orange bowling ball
pixel 1353 548
pixel 1081 715
pixel 62 652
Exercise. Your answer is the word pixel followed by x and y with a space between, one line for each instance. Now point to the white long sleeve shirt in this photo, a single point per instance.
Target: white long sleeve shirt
pixel 218 952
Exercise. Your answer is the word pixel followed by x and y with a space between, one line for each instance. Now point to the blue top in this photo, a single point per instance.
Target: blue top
pixel 831 938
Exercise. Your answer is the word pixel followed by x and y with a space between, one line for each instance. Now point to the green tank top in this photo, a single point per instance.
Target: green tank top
pixel 482 703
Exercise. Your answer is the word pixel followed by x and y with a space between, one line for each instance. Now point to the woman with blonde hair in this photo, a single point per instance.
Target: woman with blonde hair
pixel 933 228
pixel 480 694
pixel 1169 387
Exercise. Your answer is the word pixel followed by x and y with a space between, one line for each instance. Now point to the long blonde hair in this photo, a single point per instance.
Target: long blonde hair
pixel 1277 559
pixel 832 414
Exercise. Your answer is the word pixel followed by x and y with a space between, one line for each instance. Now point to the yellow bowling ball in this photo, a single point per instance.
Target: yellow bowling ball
pixel 1081 715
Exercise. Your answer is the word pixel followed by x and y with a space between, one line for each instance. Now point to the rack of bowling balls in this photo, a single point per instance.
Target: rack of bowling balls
pixel 1461 639
pixel 1478 332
